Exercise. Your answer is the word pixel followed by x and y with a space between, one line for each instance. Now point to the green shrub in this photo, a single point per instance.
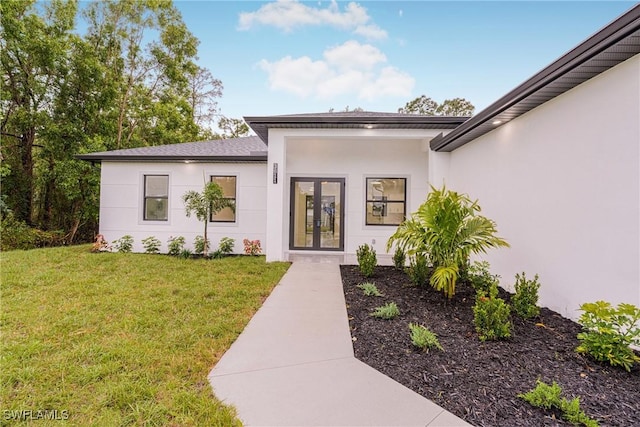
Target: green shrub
pixel 549 397
pixel 399 258
pixel 387 311
pixel 151 245
pixel 423 338
pixel 447 229
pixel 17 234
pixel 544 395
pixel 226 245
pixel 217 254
pixel 480 277
pixel 370 289
pixel 491 315
pixel 124 244
pixel 609 332
pixel 418 270
pixel 185 254
pixel 175 245
pixel 199 245
pixel 367 260
pixel 525 301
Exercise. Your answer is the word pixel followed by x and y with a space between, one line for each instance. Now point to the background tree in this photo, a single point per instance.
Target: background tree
pixel 232 128
pixel 32 50
pixel 206 204
pixel 427 106
pixel 455 107
pixel 130 80
pixel 204 89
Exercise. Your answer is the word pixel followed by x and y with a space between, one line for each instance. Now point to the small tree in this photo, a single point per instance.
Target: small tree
pixel 205 204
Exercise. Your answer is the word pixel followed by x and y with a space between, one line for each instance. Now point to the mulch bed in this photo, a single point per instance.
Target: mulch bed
pixel 479 382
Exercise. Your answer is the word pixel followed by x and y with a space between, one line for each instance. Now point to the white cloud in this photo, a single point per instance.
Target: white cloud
pixel 390 82
pixel 300 76
pixel 288 15
pixel 353 55
pixel 349 69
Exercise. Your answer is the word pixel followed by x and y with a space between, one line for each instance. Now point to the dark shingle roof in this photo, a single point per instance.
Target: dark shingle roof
pixel 610 46
pixel 351 120
pixel 249 148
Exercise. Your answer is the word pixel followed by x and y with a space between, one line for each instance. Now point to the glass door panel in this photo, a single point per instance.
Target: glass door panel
pixel 316 213
pixel 302 213
pixel 330 215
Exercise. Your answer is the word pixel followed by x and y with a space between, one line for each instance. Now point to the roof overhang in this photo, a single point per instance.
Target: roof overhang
pixel 366 120
pixel 174 159
pixel 610 46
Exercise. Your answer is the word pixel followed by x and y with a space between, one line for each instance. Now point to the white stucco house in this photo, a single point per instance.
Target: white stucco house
pixel 555 162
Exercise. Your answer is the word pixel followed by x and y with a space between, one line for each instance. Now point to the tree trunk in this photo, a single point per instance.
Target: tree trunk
pixel 26 179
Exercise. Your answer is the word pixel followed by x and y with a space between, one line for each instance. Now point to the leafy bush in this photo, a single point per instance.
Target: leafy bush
pixel 199 245
pixel 124 244
pixel 399 258
pixel 491 315
pixel 175 245
pixel 423 338
pixel 480 277
pixel 447 229
pixel 252 247
pixel 549 397
pixel 217 254
pixel 609 332
pixel 151 245
pixel 387 311
pixel 17 234
pixel 185 254
pixel 370 289
pixel 226 245
pixel 367 260
pixel 525 301
pixel 418 270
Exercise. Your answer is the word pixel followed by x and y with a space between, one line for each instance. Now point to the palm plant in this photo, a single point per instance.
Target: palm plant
pixel 206 204
pixel 446 229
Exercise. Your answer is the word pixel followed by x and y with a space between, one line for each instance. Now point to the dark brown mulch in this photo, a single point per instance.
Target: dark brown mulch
pixel 478 381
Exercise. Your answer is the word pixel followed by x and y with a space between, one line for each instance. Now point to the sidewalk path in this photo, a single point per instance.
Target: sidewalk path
pixel 293 365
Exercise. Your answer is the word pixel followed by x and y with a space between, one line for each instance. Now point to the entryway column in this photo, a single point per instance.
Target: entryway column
pixel 277 216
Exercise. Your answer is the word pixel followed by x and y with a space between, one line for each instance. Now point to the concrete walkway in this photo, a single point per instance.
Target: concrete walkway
pixel 293 365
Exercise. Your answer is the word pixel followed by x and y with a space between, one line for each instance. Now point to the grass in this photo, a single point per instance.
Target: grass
pixel 123 339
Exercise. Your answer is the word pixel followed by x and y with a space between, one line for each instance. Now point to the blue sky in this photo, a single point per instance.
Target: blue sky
pixel 291 57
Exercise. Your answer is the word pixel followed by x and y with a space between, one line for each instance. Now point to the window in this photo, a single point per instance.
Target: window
pixel 228 185
pixel 156 197
pixel 386 201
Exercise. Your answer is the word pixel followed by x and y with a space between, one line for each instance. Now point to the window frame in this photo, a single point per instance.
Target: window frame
pixel 384 201
pixel 145 197
pixel 235 200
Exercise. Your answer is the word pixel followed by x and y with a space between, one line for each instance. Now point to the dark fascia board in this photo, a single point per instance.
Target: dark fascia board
pixel 178 159
pixel 261 124
pixel 613 33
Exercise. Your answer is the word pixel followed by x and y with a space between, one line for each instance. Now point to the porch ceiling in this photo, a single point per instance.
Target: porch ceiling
pixel 351 120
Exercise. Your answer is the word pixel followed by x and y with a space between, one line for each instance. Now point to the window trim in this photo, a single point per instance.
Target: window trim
pixel 145 197
pixel 385 202
pixel 235 200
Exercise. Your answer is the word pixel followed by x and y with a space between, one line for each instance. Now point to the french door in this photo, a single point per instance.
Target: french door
pixel 317 214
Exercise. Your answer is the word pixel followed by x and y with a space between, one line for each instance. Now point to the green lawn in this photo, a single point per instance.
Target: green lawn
pixel 122 339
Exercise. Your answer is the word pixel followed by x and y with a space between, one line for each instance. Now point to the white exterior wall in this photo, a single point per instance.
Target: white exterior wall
pixel 353 155
pixel 122 193
pixel 563 184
